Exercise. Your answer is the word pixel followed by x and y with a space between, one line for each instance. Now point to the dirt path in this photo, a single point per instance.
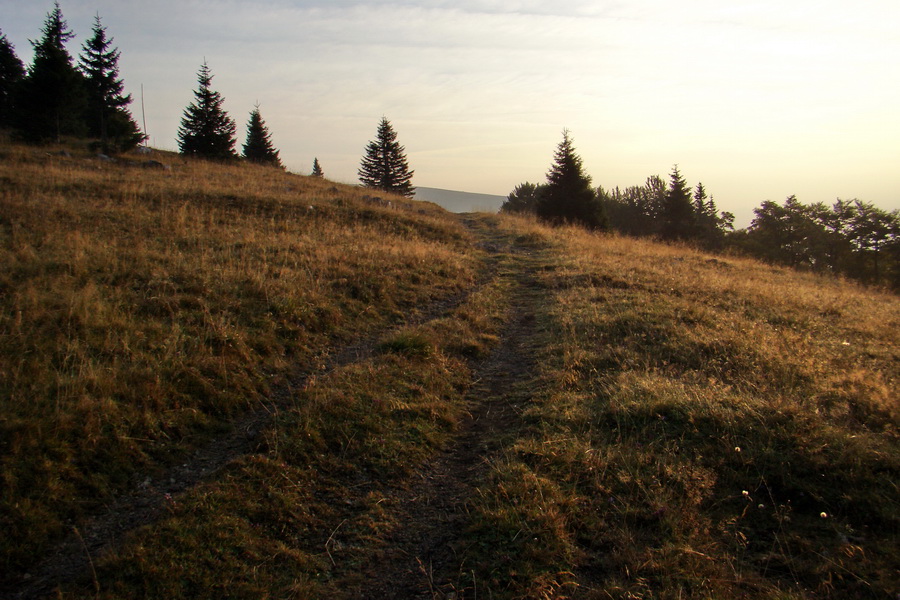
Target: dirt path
pixel 426 556
pixel 147 503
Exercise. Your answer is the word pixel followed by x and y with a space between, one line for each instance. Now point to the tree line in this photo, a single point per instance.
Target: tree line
pixel 850 238
pixel 207 131
pixel 668 211
pixel 57 98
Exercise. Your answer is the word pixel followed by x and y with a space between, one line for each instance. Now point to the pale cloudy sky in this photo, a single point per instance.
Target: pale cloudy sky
pixel 757 99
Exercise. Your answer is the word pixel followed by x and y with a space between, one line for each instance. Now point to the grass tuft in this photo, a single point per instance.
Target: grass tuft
pixel 407 343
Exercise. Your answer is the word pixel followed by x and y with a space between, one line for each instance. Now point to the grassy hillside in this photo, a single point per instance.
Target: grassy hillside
pixel 143 309
pixel 557 414
pixel 705 427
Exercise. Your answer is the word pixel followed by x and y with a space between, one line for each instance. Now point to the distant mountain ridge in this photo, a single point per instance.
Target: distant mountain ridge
pixel 460 202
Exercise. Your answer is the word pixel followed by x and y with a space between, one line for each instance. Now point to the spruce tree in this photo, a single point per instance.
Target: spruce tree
pixel 700 199
pixel 12 72
pixel 704 223
pixel 317 169
pixel 677 210
pixel 384 167
pixel 107 114
pixel 206 129
pixel 52 100
pixel 568 196
pixel 258 147
pixel 709 227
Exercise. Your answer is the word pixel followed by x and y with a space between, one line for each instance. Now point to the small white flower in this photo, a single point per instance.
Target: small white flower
pixel 737 448
pixel 823 514
pixel 761 506
pixel 746 494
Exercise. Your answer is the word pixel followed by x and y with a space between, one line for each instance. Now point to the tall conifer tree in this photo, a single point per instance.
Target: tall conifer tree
pixel 701 199
pixel 107 115
pixel 568 196
pixel 677 210
pixel 258 147
pixel 12 71
pixel 708 226
pixel 52 103
pixel 206 129
pixel 384 167
pixel 317 169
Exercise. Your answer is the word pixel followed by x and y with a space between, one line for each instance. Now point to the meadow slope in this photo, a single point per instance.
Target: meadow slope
pixel 230 381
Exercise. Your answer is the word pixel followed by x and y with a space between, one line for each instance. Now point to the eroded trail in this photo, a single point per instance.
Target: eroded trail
pixel 426 555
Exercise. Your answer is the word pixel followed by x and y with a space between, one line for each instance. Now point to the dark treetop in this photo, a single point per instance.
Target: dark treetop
pixel 384 167
pixel 206 129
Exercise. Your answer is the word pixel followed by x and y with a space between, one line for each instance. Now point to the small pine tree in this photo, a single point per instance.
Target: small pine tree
pixel 107 115
pixel 317 169
pixel 12 72
pixel 52 100
pixel 568 196
pixel 259 147
pixel 523 199
pixel 384 167
pixel 206 129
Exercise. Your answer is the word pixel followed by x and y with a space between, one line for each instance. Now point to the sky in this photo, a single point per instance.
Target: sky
pixel 758 100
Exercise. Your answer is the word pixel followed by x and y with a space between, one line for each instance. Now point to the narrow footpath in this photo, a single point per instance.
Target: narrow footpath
pixel 426 557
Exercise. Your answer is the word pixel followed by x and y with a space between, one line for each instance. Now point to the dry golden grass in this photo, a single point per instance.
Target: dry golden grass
pixel 298 518
pixel 700 426
pixel 144 308
pixel 706 427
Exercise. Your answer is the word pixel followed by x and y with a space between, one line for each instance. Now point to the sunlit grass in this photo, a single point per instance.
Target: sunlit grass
pixel 697 426
pixel 143 308
pixel 298 518
pixel 706 427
